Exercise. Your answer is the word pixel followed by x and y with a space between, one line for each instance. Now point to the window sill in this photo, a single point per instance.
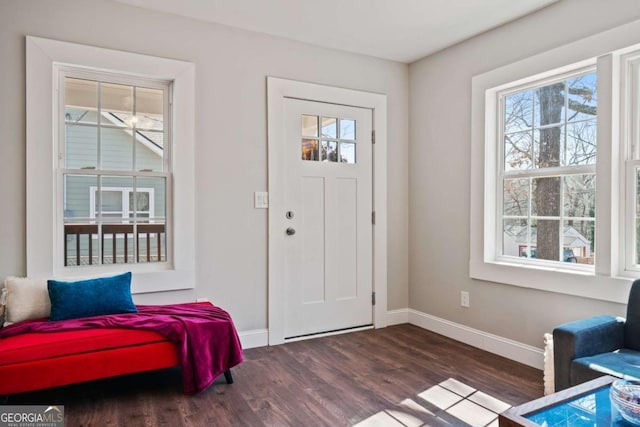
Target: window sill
pixel 157 277
pixel 573 282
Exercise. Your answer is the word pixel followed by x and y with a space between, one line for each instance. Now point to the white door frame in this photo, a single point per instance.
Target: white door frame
pixel 277 91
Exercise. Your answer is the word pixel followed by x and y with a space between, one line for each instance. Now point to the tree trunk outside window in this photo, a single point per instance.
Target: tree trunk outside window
pixel 547 190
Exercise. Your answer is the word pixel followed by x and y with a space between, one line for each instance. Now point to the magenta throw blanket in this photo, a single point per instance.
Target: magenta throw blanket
pixel 204 335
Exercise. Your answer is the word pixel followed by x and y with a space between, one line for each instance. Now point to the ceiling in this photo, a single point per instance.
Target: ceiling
pixel 399 30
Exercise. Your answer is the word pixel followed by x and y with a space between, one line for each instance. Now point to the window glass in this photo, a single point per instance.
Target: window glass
pixel 548 175
pixel 632 130
pixel 114 171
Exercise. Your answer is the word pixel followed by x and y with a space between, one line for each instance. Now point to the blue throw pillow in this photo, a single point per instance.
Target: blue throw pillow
pixel 92 297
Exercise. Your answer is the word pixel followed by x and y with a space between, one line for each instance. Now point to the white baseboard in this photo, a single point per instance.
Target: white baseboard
pixel 255 338
pixel 505 347
pixel 514 350
pixel 397 317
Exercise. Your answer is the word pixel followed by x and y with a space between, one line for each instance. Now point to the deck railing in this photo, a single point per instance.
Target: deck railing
pixel 116 233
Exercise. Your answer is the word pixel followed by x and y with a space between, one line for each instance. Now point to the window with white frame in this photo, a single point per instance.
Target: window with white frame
pixel 631 121
pixel 546 184
pixel 582 100
pixel 49 212
pixel 114 166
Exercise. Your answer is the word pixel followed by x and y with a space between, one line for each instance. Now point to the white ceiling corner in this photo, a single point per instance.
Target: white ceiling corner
pixel 398 30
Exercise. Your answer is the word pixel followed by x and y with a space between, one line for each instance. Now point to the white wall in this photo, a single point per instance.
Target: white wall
pixel 231 146
pixel 439 178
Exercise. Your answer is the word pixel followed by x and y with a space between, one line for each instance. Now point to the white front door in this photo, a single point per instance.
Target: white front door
pixel 328 217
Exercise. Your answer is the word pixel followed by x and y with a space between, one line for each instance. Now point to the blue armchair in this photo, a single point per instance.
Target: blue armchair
pixel 600 345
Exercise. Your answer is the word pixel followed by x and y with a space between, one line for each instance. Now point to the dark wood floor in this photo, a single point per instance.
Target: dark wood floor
pixel 333 381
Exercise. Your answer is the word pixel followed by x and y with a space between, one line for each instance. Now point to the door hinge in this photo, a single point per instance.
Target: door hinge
pixel 373 217
pixel 373 136
pixel 373 298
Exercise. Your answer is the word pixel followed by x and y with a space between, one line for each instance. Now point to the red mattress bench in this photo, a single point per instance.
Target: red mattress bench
pixel 34 361
pixel 60 333
pixel 37 360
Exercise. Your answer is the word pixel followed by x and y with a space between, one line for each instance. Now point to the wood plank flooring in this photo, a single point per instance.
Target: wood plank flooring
pixel 372 378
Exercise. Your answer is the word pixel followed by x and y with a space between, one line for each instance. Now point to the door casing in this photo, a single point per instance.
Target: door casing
pixel 278 90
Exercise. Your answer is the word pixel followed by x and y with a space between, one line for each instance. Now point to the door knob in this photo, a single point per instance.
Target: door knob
pixel 291 231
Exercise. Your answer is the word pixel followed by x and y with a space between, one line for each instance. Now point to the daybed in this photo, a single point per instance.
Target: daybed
pixel 38 353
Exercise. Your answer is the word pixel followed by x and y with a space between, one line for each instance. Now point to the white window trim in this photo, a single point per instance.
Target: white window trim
pixel 43 245
pixel 609 281
pixel 630 158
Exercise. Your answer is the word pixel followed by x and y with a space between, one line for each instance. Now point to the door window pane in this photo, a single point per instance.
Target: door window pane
pixel 329 127
pixel 347 152
pixel 329 151
pixel 347 129
pixel 310 126
pixel 309 149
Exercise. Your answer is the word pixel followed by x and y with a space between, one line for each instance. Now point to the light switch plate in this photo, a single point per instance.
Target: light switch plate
pixel 261 200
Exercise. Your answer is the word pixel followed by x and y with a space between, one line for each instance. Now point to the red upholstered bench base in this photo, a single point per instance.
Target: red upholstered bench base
pixel 35 361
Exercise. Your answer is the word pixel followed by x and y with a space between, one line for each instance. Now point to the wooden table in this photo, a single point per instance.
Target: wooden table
pixel 515 417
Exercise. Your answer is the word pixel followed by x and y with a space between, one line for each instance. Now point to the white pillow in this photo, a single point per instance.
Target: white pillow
pixel 26 299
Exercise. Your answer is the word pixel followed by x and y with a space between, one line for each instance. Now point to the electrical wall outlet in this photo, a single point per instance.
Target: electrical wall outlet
pixel 464 299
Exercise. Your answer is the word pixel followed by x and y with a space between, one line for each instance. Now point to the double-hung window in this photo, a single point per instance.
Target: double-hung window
pixel 631 140
pixel 114 167
pixel 555 169
pixel 546 182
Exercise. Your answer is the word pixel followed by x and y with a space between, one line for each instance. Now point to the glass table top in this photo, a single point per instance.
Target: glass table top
pixel 590 409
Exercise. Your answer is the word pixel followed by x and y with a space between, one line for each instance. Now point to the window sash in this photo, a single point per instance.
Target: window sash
pixel 631 139
pixel 64 72
pixel 112 78
pixel 535 172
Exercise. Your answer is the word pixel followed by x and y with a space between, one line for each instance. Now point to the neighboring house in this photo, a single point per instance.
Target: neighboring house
pixel 575 245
